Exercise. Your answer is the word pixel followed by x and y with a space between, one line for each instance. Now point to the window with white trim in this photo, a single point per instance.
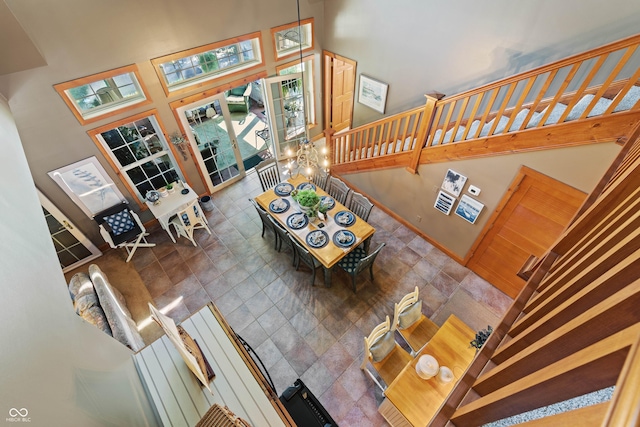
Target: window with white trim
pixel 193 66
pixel 291 39
pixel 306 68
pixel 94 97
pixel 140 152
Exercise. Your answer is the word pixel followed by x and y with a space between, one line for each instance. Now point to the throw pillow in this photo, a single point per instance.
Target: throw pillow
pixel 410 315
pixel 84 302
pixel 95 316
pixel 120 222
pixel 238 91
pixel 382 347
pixel 80 284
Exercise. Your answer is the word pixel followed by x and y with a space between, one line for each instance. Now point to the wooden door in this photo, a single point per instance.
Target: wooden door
pixel 534 213
pixel 339 81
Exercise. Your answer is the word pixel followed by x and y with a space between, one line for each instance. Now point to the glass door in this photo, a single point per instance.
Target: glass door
pixel 213 141
pixel 72 247
pixel 286 112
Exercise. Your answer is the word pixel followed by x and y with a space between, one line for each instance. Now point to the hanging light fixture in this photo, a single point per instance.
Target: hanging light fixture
pixel 308 162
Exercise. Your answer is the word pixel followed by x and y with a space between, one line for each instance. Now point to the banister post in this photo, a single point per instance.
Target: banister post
pixel 425 126
pixel 328 135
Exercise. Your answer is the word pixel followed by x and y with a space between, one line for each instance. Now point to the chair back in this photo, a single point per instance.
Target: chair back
pixel 283 235
pixel 268 173
pixel 304 254
pixel 320 180
pixel 377 333
pixel 119 224
pixel 188 220
pixel 367 261
pixel 405 302
pixel 338 190
pixel 359 205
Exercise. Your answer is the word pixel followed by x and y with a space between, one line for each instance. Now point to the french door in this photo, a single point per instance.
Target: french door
pixel 72 247
pixel 285 105
pixel 213 141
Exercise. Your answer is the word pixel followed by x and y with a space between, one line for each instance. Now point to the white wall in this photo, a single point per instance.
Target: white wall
pixel 64 371
pixel 420 46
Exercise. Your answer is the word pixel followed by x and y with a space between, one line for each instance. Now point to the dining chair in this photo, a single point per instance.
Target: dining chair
pixel 306 257
pixel 283 236
pixel 359 205
pixel 415 328
pixel 338 190
pixel 385 355
pixel 188 220
pixel 121 227
pixel 357 261
pixel 320 180
pixel 268 173
pixel 266 224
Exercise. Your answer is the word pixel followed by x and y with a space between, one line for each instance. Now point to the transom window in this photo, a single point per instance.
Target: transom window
pixel 194 66
pixel 137 149
pixel 289 39
pixel 100 95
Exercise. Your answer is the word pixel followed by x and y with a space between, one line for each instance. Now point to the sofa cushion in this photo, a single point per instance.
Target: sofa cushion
pixel 410 315
pixel 95 316
pixel 80 284
pixel 238 91
pixel 122 326
pixel 84 302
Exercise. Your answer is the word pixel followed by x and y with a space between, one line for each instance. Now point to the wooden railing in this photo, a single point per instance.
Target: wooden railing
pixel 574 329
pixel 598 83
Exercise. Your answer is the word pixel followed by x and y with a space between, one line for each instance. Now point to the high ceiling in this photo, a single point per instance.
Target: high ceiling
pixel 17 51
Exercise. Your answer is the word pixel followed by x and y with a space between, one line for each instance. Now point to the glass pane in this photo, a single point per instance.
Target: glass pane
pixel 173 77
pixel 171 176
pixel 140 150
pixel 53 224
pixel 124 156
pixel 65 238
pixel 113 138
pixel 57 245
pixel 164 163
pixel 88 102
pixel 80 92
pixel 123 80
pixel 158 182
pixel 98 85
pixel 129 90
pixel 79 251
pixel 66 259
pixel 151 169
pixel 129 133
pixel 144 187
pixel 136 175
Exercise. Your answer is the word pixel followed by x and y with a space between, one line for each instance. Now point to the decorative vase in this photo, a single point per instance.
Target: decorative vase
pixel 163 192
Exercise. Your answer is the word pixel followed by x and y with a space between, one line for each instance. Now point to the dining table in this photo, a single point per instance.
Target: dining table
pixel 341 230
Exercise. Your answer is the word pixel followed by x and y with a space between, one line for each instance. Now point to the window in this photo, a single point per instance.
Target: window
pixel 196 66
pixel 139 152
pixel 307 70
pixel 98 96
pixel 290 39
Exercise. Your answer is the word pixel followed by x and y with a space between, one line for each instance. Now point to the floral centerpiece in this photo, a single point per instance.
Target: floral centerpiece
pixel 308 200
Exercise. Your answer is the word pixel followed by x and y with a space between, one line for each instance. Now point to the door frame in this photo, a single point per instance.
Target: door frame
pixel 71 228
pixel 327 78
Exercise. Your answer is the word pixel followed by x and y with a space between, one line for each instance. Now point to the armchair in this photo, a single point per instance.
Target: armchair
pixel 238 98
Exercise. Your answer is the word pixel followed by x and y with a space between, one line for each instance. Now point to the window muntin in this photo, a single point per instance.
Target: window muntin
pixel 187 68
pixel 289 39
pixel 307 70
pixel 94 97
pixel 139 150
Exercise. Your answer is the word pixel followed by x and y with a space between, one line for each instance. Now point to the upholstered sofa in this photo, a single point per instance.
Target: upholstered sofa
pixel 102 305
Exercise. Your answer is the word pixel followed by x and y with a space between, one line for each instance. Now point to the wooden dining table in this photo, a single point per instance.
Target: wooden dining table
pixel 330 254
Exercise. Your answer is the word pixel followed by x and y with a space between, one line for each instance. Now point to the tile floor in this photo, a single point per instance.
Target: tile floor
pixel 300 331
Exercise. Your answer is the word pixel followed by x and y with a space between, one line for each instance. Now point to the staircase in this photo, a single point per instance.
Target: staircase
pixel 587 98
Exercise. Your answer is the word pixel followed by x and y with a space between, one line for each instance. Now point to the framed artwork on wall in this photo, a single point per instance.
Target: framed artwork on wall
pixel 444 202
pixel 469 209
pixel 372 93
pixel 453 182
pixel 88 185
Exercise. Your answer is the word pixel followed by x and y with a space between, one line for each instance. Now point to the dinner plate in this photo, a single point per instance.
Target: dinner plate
pixel 297 221
pixel 283 189
pixel 344 218
pixel 327 202
pixel 344 238
pixel 306 186
pixel 279 205
pixel 317 239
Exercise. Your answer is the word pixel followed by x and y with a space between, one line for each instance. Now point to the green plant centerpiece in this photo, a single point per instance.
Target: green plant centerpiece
pixel 481 337
pixel 308 200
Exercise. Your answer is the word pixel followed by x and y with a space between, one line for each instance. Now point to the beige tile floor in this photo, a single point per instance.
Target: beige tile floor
pixel 299 331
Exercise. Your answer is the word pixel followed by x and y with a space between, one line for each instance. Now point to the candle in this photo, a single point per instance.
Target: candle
pixel 427 366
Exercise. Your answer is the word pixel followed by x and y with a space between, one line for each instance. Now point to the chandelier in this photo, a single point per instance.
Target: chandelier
pixel 308 162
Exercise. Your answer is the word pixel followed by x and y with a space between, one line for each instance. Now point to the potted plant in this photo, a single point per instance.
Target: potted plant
pixel 308 201
pixel 170 188
pixel 481 337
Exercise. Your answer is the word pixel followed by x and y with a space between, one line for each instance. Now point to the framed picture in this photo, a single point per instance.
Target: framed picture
pixel 372 93
pixel 444 202
pixel 453 182
pixel 88 185
pixel 469 209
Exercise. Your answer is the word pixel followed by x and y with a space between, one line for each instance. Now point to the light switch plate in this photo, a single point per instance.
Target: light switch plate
pixel 474 190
